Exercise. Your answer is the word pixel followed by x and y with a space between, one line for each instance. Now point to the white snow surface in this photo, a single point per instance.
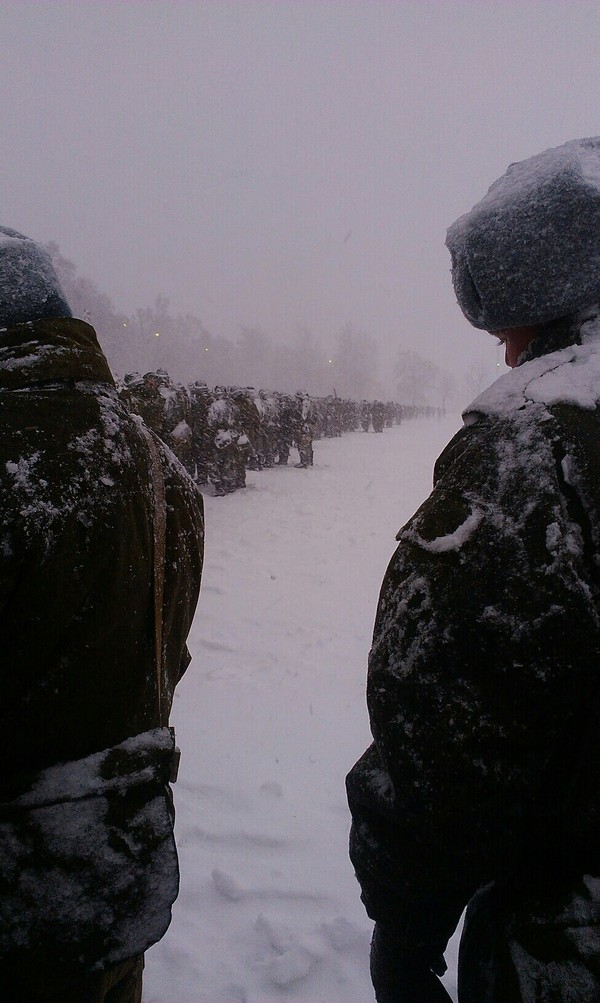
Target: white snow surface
pixel 270 717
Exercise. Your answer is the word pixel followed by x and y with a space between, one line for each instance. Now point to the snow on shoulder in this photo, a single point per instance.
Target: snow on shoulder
pixel 568 376
pixel 10 237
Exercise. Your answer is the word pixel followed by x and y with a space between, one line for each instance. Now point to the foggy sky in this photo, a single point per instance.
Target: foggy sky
pixel 286 164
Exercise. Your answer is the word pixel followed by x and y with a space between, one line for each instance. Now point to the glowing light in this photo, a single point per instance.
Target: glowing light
pixel 157 334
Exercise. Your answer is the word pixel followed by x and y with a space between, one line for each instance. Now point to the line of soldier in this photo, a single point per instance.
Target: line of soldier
pixel 218 435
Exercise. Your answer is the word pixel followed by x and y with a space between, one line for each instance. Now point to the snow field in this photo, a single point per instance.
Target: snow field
pixel 270 717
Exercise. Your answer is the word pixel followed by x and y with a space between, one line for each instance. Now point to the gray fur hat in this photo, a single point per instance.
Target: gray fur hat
pixel 29 287
pixel 529 252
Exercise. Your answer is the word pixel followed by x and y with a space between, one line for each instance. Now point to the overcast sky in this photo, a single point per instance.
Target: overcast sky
pixel 283 163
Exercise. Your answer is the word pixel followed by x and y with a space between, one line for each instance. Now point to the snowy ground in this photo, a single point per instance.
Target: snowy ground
pixel 270 717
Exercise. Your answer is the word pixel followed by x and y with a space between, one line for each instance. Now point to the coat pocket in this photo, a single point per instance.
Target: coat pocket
pixel 88 865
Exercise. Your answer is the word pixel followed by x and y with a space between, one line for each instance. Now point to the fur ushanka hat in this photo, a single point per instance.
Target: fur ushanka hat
pixel 529 252
pixel 29 287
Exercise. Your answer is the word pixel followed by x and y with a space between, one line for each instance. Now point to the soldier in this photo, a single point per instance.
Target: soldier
pixel 101 538
pixel 285 428
pixel 270 426
pixel 304 429
pixel 145 400
pixel 249 423
pixel 378 415
pixel 365 415
pixel 482 785
pixel 201 449
pixel 176 414
pixel 224 468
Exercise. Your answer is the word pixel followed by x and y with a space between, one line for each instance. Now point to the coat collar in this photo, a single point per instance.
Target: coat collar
pixel 49 350
pixel 560 366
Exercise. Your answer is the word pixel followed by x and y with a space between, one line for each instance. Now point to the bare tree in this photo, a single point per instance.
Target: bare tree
pixel 95 307
pixel 311 370
pixel 447 388
pixel 415 377
pixel 354 372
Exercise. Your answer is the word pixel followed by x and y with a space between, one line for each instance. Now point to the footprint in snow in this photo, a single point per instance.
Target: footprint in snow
pixel 343 935
pixel 214 645
pixel 230 994
pixel 238 838
pixel 292 962
pixel 272 788
pixel 291 966
pixel 227 886
pixel 218 795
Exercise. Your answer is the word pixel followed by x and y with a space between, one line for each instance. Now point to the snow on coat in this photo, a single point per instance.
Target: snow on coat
pixel 88 866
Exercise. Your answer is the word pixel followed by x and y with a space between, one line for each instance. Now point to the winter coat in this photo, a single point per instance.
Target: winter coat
pixel 178 432
pixel 146 400
pixel 378 415
pixel 483 684
pixel 221 415
pixel 200 401
pixel 77 639
pixel 249 417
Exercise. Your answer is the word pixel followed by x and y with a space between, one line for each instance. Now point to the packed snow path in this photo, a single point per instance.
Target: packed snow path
pixel 270 717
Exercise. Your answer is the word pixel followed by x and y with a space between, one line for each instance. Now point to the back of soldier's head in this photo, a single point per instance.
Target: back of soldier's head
pixel 29 287
pixel 528 252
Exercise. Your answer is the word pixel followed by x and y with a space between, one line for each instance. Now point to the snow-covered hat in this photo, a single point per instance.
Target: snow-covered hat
pixel 29 287
pixel 529 252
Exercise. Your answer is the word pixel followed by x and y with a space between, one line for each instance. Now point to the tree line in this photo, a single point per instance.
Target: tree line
pixel 156 337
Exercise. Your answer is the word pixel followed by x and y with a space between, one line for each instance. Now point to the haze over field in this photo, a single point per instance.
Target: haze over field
pixel 289 166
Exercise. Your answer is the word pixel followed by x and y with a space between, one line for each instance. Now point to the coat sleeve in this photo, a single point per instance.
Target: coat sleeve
pixel 183 565
pixel 477 675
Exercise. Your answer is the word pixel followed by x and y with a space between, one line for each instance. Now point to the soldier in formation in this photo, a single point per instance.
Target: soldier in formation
pixel 221 433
